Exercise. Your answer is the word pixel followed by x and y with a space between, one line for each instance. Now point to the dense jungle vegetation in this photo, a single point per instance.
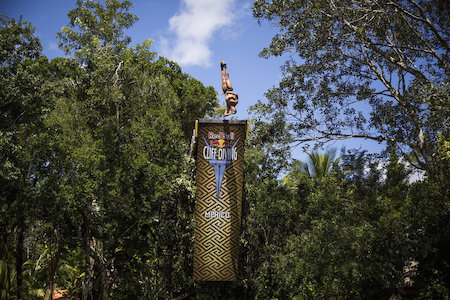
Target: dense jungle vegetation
pixel 97 187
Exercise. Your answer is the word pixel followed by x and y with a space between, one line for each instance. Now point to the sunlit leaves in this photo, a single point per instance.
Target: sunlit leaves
pixel 358 70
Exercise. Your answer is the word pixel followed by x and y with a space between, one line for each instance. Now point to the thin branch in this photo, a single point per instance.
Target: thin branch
pixel 428 22
pixel 342 136
pixel 424 42
pixel 116 73
pixel 371 45
pixel 390 45
pixel 420 165
pixel 382 93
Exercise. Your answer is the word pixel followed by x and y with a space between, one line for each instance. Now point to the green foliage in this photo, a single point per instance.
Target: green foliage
pixel 345 235
pixel 369 70
pixel 17 43
pixel 98 190
pixel 7 278
pixel 319 165
pixel 100 163
pixel 23 153
pixel 92 24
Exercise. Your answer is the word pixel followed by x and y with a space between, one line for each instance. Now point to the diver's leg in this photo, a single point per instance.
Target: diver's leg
pixel 224 81
pixel 226 84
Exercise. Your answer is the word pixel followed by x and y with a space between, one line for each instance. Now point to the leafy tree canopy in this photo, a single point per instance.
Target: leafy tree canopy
pixel 92 24
pixel 375 70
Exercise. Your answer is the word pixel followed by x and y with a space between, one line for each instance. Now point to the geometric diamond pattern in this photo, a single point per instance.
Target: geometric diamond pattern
pixel 216 239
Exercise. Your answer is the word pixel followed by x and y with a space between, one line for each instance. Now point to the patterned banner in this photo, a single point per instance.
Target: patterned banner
pixel 220 174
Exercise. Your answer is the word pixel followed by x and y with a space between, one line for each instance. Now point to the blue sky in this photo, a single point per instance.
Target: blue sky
pixel 197 34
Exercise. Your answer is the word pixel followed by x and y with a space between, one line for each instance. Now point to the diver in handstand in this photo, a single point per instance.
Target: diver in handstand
pixel 231 97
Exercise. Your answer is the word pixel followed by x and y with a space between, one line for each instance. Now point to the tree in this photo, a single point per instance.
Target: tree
pixel 120 142
pixel 319 165
pixel 97 187
pixel 375 70
pixel 23 107
pixel 342 235
pixel 265 203
pixel 92 24
pixel 95 36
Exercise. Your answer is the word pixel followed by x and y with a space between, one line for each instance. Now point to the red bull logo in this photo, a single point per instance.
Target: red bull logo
pixel 221 143
pixel 220 136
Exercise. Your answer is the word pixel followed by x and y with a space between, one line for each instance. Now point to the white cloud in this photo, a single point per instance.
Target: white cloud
pixel 53 46
pixel 194 26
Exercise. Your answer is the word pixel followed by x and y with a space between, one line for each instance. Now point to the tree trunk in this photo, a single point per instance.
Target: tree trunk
pixel 104 275
pixel 19 260
pixel 86 285
pixel 104 287
pixel 3 242
pixel 54 260
pixel 104 279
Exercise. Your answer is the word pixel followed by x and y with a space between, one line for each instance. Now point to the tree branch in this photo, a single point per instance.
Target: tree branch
pixel 431 50
pixel 342 136
pixel 116 73
pixel 428 22
pixel 371 45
